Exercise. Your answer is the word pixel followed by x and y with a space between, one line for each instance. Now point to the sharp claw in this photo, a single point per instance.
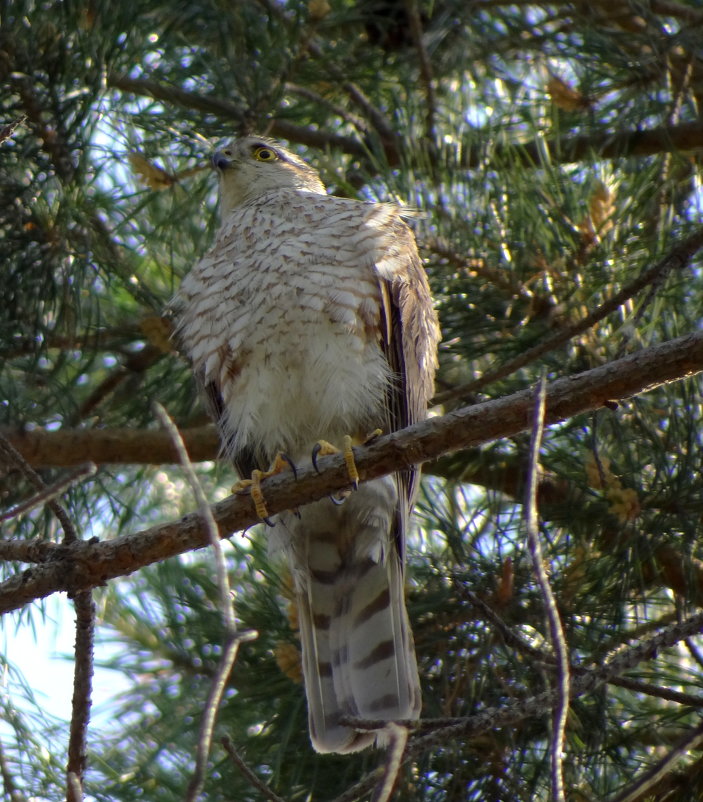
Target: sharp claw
pixel 336 501
pixel 268 522
pixel 315 451
pixel 290 464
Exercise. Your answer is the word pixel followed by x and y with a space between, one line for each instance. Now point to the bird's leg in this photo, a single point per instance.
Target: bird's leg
pixel 280 463
pixel 323 448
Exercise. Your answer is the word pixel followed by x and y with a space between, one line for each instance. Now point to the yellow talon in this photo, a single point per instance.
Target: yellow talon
pixel 257 496
pixel 323 448
pixel 372 436
pixel 349 461
pixel 280 463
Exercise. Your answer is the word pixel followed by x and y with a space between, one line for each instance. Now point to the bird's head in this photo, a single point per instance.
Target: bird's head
pixel 252 166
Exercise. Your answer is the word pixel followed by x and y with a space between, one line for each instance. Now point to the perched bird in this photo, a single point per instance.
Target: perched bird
pixel 310 319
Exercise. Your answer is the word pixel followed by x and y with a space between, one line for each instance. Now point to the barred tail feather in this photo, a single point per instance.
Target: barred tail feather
pixel 358 654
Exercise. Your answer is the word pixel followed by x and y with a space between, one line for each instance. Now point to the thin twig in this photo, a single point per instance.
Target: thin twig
pixel 223 586
pixel 50 492
pixel 556 631
pixel 445 729
pixel 357 96
pixel 651 777
pixel 694 651
pixel 509 636
pixel 233 637
pixel 12 792
pixel 688 699
pixel 7 130
pixel 310 94
pixel 512 638
pixel 85 627
pixel 413 12
pixel 212 705
pixel 248 773
pixel 677 258
pixel 12 456
pixel 82 691
pixel 504 280
pixel 397 741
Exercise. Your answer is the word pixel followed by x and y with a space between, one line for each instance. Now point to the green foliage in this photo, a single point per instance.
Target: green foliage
pixel 505 125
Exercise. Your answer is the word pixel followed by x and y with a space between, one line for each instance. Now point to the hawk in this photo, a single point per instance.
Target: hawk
pixel 309 318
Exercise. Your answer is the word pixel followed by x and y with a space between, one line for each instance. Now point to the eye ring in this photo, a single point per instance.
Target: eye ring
pixel 264 154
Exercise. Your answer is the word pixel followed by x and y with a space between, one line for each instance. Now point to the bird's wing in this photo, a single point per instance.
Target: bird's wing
pixel 410 334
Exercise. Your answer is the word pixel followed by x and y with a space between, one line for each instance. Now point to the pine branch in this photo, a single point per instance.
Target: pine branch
pixel 446 730
pixel 248 773
pixel 604 144
pixel 84 565
pixel 225 110
pixel 677 258
pixel 68 447
pixel 644 784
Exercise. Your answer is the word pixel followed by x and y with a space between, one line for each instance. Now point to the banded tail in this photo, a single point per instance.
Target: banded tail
pixel 358 654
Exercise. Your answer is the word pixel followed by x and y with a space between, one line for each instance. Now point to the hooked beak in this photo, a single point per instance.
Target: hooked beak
pixel 220 161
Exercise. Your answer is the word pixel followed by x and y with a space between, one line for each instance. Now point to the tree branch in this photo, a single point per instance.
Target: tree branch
pixel 556 630
pixel 512 713
pixel 68 447
pixel 225 110
pixel 85 565
pixel 82 693
pixel 676 259
pixel 604 144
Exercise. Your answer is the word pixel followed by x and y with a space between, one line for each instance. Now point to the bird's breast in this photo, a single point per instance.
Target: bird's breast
pixel 295 353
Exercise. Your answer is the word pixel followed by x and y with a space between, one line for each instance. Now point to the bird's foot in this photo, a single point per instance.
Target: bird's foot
pixel 322 448
pixel 281 463
pixel 374 435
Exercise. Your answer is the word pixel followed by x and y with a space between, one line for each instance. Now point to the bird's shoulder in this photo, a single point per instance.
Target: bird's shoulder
pixel 300 206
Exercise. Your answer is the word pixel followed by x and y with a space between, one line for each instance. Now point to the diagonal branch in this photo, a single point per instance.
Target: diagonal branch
pixel 644 784
pixel 512 713
pixel 85 565
pixel 676 259
pixel 604 144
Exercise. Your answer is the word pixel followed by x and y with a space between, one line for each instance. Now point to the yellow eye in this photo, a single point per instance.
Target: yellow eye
pixel 262 154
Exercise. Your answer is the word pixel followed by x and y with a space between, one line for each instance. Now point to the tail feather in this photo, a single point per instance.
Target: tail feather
pixel 358 654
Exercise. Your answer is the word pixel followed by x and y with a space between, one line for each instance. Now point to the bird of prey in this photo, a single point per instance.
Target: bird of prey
pixel 310 319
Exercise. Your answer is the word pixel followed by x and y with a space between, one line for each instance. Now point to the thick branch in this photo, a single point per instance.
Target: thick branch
pixel 85 565
pixel 67 447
